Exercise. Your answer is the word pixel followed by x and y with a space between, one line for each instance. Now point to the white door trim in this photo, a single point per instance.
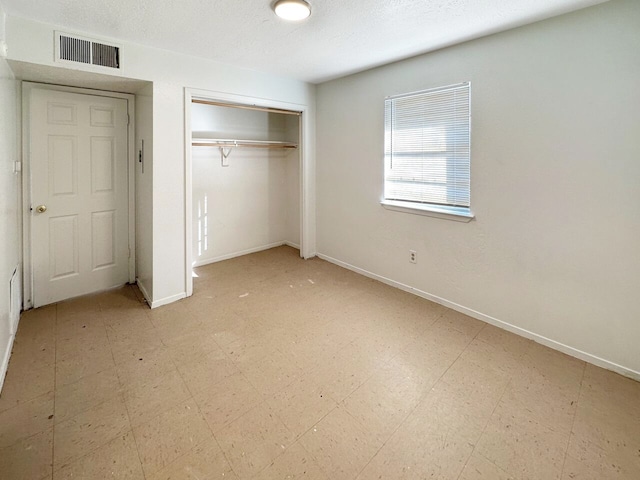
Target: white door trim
pixel 27 87
pixel 305 168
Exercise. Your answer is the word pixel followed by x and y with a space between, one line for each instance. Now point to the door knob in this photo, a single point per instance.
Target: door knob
pixel 41 208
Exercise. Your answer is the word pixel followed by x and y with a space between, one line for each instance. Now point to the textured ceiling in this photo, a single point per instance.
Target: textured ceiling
pixel 340 37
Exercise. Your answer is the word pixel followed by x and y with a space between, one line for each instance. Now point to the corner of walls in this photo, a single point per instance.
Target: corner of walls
pixel 144 191
pixel 10 201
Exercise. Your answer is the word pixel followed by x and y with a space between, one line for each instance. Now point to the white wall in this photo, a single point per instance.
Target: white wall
pixel 554 250
pixel 292 167
pixel 170 73
pixel 244 206
pixel 144 191
pixel 10 250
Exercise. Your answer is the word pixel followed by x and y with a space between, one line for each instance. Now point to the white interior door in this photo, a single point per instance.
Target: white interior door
pixel 79 194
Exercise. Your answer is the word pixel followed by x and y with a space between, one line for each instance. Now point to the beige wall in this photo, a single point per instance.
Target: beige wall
pixel 553 252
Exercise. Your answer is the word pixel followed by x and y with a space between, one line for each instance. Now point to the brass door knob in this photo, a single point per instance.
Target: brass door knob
pixel 41 208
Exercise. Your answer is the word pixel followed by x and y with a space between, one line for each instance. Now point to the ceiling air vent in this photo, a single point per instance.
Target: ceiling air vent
pixel 87 51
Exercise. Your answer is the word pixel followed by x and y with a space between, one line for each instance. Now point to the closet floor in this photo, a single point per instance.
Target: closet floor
pixel 282 368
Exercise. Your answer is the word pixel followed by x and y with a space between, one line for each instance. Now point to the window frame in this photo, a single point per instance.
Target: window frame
pixel 449 212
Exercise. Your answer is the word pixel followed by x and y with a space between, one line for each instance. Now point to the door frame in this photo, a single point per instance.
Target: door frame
pixel 27 88
pixel 306 180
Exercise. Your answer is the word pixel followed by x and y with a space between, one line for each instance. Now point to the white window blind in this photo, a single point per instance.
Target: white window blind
pixel 427 148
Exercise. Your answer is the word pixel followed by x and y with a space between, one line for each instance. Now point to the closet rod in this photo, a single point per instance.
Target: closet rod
pixel 242 145
pixel 228 143
pixel 246 107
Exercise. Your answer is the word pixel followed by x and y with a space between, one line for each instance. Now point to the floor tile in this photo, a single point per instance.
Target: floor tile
pixel 295 463
pixel 126 320
pixel 83 305
pixel 587 461
pixel 86 393
pixel 302 404
pixel 232 328
pixel 170 435
pixel 26 357
pixel 555 367
pixel 16 390
pixel 207 370
pixel 603 389
pixel 82 341
pixel 444 336
pixel 127 345
pixel 249 350
pixel 152 398
pixel 74 368
pixel 340 445
pixel 136 371
pixel 191 347
pixel 26 419
pixel 514 344
pixel 302 369
pixel 254 440
pixel 482 386
pixel 117 459
pixel 28 459
pixel 384 401
pixel 493 356
pixel 611 429
pixel 204 461
pixel 227 401
pixel 272 374
pixel 435 441
pixel 551 405
pixel 479 468
pixel 38 318
pixel 88 431
pixel 461 322
pixel 345 372
pixel 521 446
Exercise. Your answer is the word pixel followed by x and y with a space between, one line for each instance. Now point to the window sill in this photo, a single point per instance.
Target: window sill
pixel 447 213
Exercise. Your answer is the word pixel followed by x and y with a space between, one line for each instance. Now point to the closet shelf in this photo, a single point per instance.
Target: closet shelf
pixel 229 143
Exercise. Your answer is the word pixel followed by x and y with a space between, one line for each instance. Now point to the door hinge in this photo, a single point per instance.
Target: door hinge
pixel 129 253
pixel 128 119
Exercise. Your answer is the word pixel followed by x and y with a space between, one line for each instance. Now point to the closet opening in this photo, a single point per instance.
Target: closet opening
pixel 246 176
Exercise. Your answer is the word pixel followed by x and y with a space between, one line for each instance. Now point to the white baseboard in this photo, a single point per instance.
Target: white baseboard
pixel 158 303
pixel 167 300
pixel 561 347
pixel 240 253
pixel 5 361
pixel 144 291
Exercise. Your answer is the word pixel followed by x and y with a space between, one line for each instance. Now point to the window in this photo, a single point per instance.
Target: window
pixel 427 151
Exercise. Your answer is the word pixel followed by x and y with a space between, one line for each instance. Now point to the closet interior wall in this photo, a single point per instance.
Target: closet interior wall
pixel 253 203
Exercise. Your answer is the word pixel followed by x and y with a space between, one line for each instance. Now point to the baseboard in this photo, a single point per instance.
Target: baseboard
pixel 292 245
pixel 561 347
pixel 5 361
pixel 228 256
pixel 167 300
pixel 144 291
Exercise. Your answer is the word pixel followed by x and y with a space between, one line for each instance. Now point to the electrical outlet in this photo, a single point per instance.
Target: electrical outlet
pixel 413 256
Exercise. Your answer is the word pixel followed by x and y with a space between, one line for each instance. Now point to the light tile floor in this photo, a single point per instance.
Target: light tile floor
pixel 283 368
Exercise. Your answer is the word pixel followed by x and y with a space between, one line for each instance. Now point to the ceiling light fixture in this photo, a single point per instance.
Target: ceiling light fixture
pixel 293 10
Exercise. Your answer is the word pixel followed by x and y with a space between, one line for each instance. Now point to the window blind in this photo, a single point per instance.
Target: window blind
pixel 427 147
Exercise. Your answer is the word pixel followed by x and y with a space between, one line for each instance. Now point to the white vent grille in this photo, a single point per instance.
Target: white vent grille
pixel 75 49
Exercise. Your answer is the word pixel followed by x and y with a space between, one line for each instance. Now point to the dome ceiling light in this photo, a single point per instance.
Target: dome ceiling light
pixel 293 10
